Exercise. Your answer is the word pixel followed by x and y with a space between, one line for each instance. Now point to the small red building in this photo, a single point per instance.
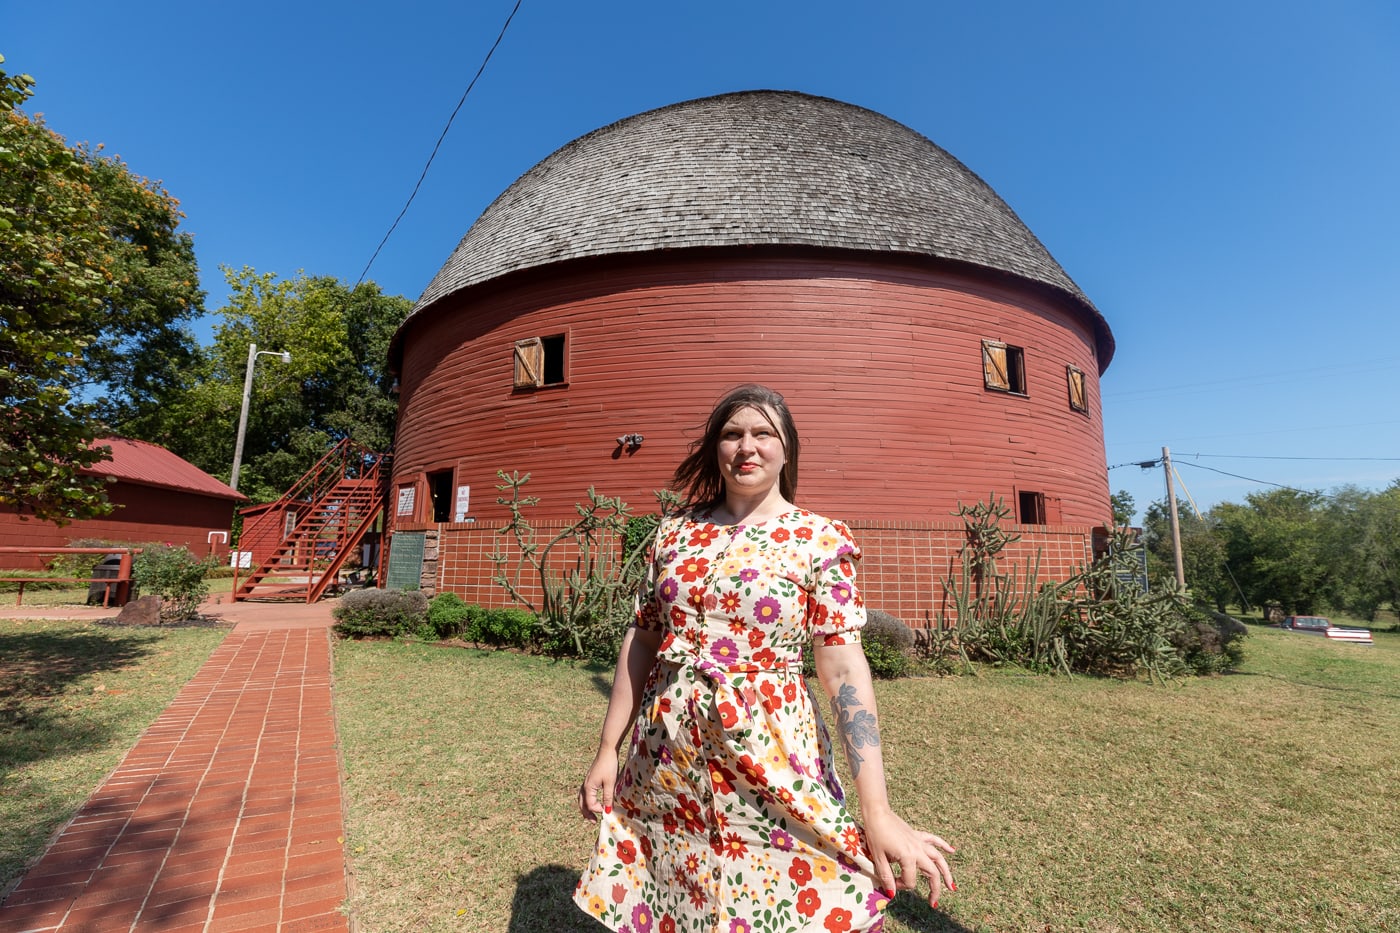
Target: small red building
pixel 157 497
pixel 932 351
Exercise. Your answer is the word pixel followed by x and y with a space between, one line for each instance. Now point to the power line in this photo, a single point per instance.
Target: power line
pixel 1253 480
pixel 438 144
pixel 1255 379
pixel 1265 457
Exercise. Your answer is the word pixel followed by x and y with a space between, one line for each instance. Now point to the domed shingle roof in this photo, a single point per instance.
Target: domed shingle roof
pixel 753 168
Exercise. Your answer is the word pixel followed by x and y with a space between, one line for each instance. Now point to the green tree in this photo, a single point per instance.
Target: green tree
pixel 335 387
pixel 1359 533
pixel 1124 507
pixel 1203 557
pixel 95 284
pixel 1276 549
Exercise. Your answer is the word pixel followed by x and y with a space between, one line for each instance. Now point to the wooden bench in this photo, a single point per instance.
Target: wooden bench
pixel 121 581
pixel 106 590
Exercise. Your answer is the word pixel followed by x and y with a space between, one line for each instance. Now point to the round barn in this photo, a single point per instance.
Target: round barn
pixel 932 351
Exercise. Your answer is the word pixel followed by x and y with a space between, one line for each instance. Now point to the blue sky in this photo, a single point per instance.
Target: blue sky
pixel 1221 178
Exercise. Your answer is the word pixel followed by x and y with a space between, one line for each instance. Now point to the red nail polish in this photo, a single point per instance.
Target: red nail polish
pixel 607 809
pixel 935 905
pixel 953 887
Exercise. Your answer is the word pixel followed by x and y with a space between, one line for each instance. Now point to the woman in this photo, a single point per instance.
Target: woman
pixel 727 814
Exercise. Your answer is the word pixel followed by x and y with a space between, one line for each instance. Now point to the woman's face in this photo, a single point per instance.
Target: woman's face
pixel 751 453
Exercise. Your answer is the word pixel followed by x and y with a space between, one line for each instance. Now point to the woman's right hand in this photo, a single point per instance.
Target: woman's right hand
pixel 595 795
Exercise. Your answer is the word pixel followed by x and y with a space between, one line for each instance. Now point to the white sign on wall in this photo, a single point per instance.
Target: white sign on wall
pixel 464 498
pixel 406 501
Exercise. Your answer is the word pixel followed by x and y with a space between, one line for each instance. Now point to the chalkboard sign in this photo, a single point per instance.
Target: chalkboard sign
pixel 405 561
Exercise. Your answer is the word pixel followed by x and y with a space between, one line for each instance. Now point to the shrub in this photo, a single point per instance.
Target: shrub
pixel 886 661
pixel 888 643
pixel 380 613
pixel 447 615
pixel 507 627
pixel 1099 621
pixel 82 565
pixel 176 576
pixel 1210 642
pixel 586 601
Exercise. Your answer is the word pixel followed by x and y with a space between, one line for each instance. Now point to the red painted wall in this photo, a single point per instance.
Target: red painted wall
pixel 880 362
pixel 143 514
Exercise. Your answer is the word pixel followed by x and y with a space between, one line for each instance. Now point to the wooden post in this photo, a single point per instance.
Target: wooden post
pixel 1176 523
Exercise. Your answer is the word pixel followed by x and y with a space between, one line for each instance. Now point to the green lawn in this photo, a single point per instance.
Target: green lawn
pixel 1258 801
pixel 74 697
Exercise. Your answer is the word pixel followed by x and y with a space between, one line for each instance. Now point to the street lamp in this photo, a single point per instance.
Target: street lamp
pixel 253 354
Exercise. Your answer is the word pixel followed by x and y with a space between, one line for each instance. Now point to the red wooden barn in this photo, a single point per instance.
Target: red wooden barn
pixel 932 351
pixel 158 497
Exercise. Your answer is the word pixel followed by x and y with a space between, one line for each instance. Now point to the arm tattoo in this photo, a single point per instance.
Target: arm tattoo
pixel 858 727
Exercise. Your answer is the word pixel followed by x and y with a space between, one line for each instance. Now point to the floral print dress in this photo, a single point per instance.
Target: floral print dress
pixel 728 816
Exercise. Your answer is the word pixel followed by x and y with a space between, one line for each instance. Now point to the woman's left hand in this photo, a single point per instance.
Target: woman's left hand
pixel 894 842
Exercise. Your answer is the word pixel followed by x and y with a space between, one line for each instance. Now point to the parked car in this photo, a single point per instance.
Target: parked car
pixel 1320 625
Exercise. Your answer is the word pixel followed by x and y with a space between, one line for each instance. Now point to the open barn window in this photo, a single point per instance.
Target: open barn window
pixel 1003 367
pixel 1078 399
pixel 440 492
pixel 539 361
pixel 1032 508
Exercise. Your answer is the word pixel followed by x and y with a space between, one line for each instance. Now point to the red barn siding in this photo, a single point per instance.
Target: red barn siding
pixel 142 514
pixel 880 363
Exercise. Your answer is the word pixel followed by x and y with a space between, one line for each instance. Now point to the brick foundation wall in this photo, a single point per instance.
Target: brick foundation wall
pixel 903 567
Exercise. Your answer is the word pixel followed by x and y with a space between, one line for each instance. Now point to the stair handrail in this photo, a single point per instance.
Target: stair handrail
pixel 312 486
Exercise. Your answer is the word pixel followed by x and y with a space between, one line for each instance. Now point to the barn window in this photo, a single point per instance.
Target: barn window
pixel 1003 367
pixel 1032 508
pixel 1078 399
pixel 440 492
pixel 539 361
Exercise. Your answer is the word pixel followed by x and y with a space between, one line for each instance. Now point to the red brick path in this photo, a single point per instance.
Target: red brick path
pixel 225 816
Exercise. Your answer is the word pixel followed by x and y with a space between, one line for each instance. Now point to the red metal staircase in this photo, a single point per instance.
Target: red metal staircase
pixel 301 541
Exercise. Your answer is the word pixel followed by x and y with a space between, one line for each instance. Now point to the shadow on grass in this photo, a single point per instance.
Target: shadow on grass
pixel 544 901
pixel 36 668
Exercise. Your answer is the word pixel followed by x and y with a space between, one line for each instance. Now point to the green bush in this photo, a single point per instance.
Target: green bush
pixel 176 576
pixel 82 565
pixel 888 644
pixel 381 613
pixel 447 615
pixel 35 580
pixel 1210 642
pixel 506 627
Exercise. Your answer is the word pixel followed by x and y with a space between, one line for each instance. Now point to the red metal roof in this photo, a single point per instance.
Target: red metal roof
pixel 150 465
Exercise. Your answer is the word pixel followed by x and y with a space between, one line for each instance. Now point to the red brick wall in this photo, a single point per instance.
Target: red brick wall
pixel 903 568
pixel 142 514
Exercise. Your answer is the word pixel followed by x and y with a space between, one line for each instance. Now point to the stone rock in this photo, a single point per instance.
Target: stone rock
pixel 144 610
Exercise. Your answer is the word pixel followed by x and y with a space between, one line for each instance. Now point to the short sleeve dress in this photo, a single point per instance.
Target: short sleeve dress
pixel 728 816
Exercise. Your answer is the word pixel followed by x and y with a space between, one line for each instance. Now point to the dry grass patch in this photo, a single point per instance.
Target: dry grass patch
pixel 1260 801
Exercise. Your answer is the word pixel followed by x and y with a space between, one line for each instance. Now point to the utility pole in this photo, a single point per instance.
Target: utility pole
pixel 1176 523
pixel 253 354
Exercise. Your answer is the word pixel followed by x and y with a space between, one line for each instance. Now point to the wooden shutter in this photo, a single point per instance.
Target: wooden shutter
pixel 529 363
pixel 994 373
pixel 1078 400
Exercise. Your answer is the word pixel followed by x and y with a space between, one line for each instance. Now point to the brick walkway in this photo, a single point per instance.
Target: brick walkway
pixel 227 813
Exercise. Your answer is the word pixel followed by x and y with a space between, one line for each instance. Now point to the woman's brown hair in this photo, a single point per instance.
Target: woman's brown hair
pixel 698 478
